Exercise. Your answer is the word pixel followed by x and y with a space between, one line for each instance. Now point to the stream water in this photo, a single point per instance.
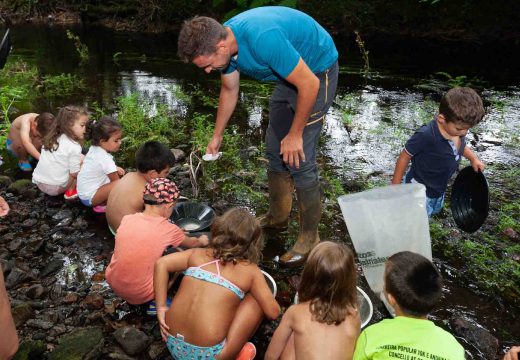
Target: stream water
pixel 365 130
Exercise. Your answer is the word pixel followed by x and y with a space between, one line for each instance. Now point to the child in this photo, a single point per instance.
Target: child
pixel 60 159
pixel 152 160
pixel 25 137
pixel 141 240
pixel 325 324
pixel 99 172
pixel 412 287
pixel 223 295
pixel 436 148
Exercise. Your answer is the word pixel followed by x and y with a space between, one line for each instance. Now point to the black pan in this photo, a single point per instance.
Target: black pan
pixel 470 199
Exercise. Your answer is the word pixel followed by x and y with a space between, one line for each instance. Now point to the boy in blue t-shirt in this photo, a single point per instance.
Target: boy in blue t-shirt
pixel 436 148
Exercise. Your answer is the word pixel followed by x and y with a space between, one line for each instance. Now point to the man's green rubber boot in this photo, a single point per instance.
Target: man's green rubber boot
pixel 280 200
pixel 309 205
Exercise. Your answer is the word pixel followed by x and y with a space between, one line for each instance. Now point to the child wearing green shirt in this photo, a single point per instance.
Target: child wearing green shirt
pixel 412 286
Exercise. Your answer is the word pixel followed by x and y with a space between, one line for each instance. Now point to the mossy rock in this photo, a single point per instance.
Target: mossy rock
pixel 80 344
pixel 20 186
pixel 5 181
pixel 32 349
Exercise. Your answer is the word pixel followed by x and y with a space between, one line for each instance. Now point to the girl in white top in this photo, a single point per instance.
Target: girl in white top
pixel 99 172
pixel 60 159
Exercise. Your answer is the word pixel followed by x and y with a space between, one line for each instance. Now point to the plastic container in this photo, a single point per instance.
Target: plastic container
pixel 470 199
pixel 270 282
pixel 5 48
pixel 384 221
pixel 192 216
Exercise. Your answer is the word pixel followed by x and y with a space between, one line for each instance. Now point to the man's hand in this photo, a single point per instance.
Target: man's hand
pixel 120 171
pixel 291 149
pixel 214 145
pixel 204 240
pixel 477 165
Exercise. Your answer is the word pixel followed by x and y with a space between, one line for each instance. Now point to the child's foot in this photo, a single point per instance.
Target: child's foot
pixel 152 310
pixel 71 194
pixel 248 352
pixel 100 209
pixel 24 165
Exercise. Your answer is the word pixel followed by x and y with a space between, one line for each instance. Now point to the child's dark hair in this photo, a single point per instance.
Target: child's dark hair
pixel 462 105
pixel 414 282
pixel 65 120
pixel 237 236
pixel 153 155
pixel 328 281
pixel 102 129
pixel 44 122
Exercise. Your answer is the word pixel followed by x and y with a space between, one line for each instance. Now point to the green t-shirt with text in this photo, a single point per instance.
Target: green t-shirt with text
pixel 407 338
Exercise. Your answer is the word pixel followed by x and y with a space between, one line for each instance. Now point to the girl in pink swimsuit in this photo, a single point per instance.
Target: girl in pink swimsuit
pixel 223 296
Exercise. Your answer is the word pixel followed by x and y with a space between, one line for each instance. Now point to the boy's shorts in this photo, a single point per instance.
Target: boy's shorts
pixel 434 205
pixel 8 144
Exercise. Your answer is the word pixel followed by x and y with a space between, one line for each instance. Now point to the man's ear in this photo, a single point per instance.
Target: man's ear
pixel 222 47
pixel 441 118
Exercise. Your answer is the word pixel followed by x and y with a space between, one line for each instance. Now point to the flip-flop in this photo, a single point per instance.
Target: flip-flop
pixel 24 166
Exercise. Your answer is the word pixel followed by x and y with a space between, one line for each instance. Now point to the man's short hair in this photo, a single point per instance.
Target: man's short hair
pixel 199 36
pixel 462 105
pixel 153 155
pixel 414 282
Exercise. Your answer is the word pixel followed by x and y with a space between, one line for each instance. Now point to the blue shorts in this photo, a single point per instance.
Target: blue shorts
pixel 181 350
pixel 433 205
pixel 8 143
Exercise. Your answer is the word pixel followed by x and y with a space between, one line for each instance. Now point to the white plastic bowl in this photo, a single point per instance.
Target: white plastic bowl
pixel 270 282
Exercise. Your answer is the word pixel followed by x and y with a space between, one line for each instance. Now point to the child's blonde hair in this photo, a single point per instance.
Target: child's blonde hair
pixel 65 120
pixel 329 282
pixel 237 236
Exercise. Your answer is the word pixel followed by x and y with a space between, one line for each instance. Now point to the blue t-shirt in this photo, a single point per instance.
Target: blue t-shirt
pixel 272 39
pixel 434 158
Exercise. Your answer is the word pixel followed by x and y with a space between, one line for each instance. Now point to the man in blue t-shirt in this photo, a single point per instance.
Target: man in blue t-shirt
pixel 279 44
pixel 436 148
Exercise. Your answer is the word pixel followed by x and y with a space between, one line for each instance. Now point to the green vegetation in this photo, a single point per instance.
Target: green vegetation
pixel 61 85
pixel 364 54
pixel 442 81
pixel 81 48
pixel 143 122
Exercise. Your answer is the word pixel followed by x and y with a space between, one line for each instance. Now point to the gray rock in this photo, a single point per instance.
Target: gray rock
pixel 22 313
pixel 51 267
pixel 15 244
pixel 132 340
pixel 36 291
pixel 82 344
pixel 178 154
pixel 80 224
pixel 477 336
pixel 62 214
pixel 16 277
pixel 29 223
pixel 39 324
pixel 157 349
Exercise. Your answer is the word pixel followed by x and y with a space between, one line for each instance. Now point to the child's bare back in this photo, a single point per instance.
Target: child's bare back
pixel 214 305
pixel 315 340
pixel 24 124
pixel 125 198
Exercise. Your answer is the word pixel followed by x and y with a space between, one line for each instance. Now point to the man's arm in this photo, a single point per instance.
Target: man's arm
pixel 308 86
pixel 400 166
pixel 25 130
pixel 476 164
pixel 230 84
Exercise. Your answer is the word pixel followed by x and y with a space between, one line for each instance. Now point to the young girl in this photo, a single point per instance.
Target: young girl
pixel 223 295
pixel 99 172
pixel 60 159
pixel 325 324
